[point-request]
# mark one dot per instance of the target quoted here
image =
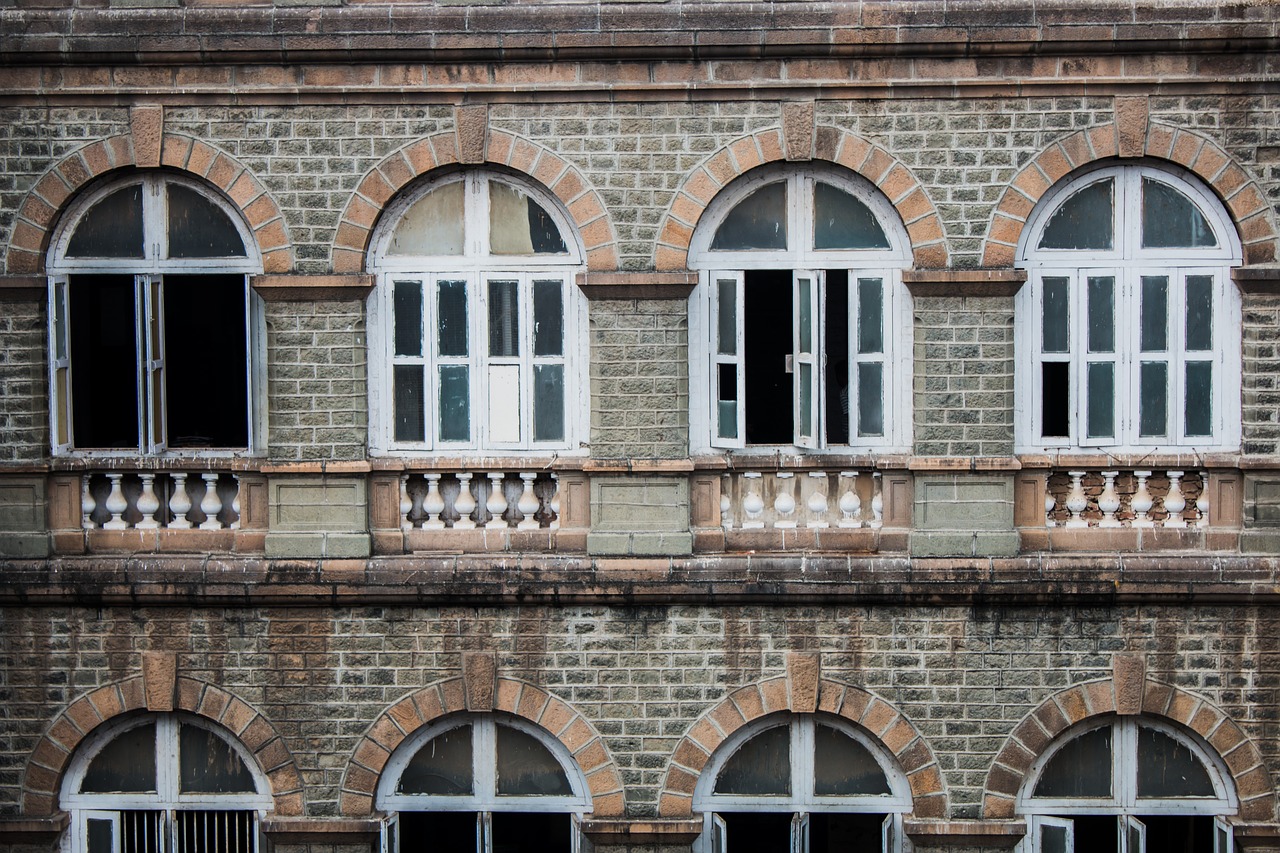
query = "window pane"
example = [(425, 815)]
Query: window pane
[(214, 832), (1053, 839), (432, 225), (455, 402), (870, 315), (548, 402), (1199, 312), (407, 308), (806, 398), (442, 766), (1081, 768), (1168, 768), (504, 323), (410, 407), (1102, 399), (104, 361), (516, 832), (1102, 323), (759, 221), (518, 225), (1199, 410), (727, 316), (841, 765), (1055, 399), (841, 221), (504, 402), (548, 318), (1153, 399), (59, 322), (1171, 220), (871, 399), (198, 228), (141, 832), (112, 228), (125, 765), (527, 768), (1083, 221), (1155, 313), (451, 319), (102, 836), (760, 767), (805, 319), (199, 309), (1056, 320), (727, 404), (207, 765)]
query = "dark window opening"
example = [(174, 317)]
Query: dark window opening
[(836, 342), (767, 832), (205, 359), (1055, 399), (767, 318), (104, 362), (832, 832)]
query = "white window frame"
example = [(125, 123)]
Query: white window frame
[(1128, 262), (148, 272), (803, 261), (476, 266)]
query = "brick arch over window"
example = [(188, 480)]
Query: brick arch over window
[(1201, 155), (1097, 698), (39, 210), (402, 167), (52, 754), (871, 713), (896, 181), (514, 697)]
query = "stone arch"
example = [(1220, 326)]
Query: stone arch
[(895, 180), (1241, 195), (400, 168), (52, 755), (39, 210), (1076, 704), (880, 718), (518, 698)]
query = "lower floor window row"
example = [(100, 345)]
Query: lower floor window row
[(170, 831)]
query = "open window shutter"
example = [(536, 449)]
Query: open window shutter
[(391, 834), (60, 365), (1133, 835), (153, 322), (719, 835), (806, 369), (1102, 381), (800, 833), (1054, 835), (889, 834), (484, 832), (101, 832), (579, 843), (1223, 838), (727, 370)]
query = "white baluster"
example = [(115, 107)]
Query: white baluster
[(1142, 501), (817, 502), (1202, 502), (210, 504), (465, 504), (116, 504), (497, 502), (850, 503), (235, 502), (1109, 500), (1050, 504), (784, 500), (406, 504), (752, 502), (726, 501), (148, 503), (1175, 502), (877, 501), (433, 505), (528, 503), (555, 501), (180, 503), (1076, 500), (87, 503)]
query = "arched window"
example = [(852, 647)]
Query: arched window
[(1129, 325), (801, 331), (802, 783), (1127, 786), (476, 319), (152, 321), (483, 782), (164, 783)]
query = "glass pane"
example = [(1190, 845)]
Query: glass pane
[(504, 402), (805, 319), (727, 402), (548, 402), (548, 318), (760, 767), (407, 309), (1055, 399), (1134, 827), (870, 315), (1053, 839), (759, 221), (112, 228), (518, 225), (432, 225), (1081, 768), (102, 836), (1102, 313), (871, 399), (1199, 409), (455, 402), (841, 221), (1102, 399), (125, 765), (1199, 313), (1083, 221), (1155, 313), (442, 766), (60, 322), (1168, 768), (520, 832), (1171, 220), (841, 765), (410, 407), (727, 316), (1153, 398), (208, 765), (504, 323), (198, 228), (527, 768), (1056, 321), (806, 399), (451, 319)]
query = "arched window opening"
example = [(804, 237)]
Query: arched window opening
[(801, 329), (1128, 786), (164, 783), (152, 321), (476, 320), (483, 782), (801, 783)]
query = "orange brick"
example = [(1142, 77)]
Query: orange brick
[(96, 158), (396, 170), (1015, 205), (1246, 203), (577, 735), (994, 807), (1209, 162), (721, 167), (727, 716), (898, 183), (586, 208), (52, 189), (689, 755), (674, 233), (120, 150), (37, 211), (354, 805), (771, 146), (681, 781), (1031, 182), (591, 756), (746, 155), (597, 233), (569, 186), (1101, 698), (1006, 230), (532, 702), (453, 695), (604, 780), (271, 235), (405, 715), (877, 164), (878, 717), (609, 805), (223, 172), (926, 781), (934, 256), (668, 258), (1076, 149), (1159, 141), (278, 261), (1054, 163), (853, 152), (925, 230), (774, 694), (749, 702), (548, 169), (1185, 148), (360, 780)]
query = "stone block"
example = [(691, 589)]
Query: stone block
[(320, 515), (23, 531), (639, 516)]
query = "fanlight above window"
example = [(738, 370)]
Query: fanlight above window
[(1086, 219), (194, 227), (759, 221), (522, 767), (437, 223), (206, 764)]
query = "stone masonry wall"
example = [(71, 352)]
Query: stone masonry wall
[(24, 381), (1260, 377)]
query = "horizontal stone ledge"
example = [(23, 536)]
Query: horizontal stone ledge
[(748, 461), (642, 831), (945, 464), (964, 833), (312, 288), (637, 285), (1156, 461), (324, 467), (94, 463), (426, 464), (1261, 280), (23, 288), (332, 830), (32, 829), (638, 466), (957, 283)]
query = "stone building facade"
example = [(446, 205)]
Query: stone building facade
[(780, 425)]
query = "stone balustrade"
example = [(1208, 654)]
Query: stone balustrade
[(1139, 498), (789, 500), (471, 500), (168, 500)]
